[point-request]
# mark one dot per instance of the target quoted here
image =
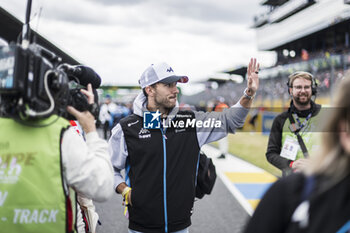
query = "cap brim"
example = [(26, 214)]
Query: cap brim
[(172, 79)]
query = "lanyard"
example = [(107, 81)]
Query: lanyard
[(302, 125), (296, 130)]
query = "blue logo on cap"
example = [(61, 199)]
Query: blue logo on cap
[(170, 70), (151, 120)]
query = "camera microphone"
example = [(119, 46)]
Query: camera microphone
[(84, 74)]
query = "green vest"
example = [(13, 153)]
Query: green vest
[(33, 195), (310, 135)]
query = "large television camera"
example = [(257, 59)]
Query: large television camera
[(34, 83)]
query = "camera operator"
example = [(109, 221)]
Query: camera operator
[(42, 169)]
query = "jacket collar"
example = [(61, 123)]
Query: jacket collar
[(314, 109)]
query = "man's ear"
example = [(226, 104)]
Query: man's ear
[(149, 90)]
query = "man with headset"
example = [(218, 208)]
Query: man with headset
[(293, 135)]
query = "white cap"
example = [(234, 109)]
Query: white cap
[(160, 72)]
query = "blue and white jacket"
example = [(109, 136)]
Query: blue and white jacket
[(161, 164)]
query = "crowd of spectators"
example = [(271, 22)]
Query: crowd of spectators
[(271, 89)]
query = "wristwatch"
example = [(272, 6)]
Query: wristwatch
[(250, 97)]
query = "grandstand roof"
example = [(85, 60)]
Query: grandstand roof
[(10, 30), (273, 2), (238, 71), (220, 81), (314, 18)]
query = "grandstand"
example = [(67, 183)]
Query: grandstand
[(308, 35)]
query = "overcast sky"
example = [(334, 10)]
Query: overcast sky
[(120, 38)]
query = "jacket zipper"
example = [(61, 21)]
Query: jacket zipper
[(164, 180)]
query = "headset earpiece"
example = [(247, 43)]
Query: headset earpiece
[(288, 86), (314, 86)]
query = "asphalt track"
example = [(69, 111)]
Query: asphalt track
[(226, 210), (237, 191), (219, 212)]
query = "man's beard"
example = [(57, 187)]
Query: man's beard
[(165, 103), (303, 103)]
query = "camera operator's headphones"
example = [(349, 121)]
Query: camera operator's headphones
[(302, 74)]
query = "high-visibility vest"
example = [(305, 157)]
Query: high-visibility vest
[(311, 135), (33, 194)]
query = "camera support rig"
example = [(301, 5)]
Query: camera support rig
[(35, 84)]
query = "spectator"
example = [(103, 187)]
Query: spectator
[(107, 112), (223, 142)]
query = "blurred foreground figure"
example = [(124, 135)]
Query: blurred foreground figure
[(316, 200), (44, 164)]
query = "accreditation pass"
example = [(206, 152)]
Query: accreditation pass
[(290, 148)]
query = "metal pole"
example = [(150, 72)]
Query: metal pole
[(26, 28)]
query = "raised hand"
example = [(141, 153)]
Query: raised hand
[(253, 78)]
